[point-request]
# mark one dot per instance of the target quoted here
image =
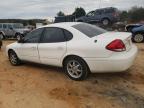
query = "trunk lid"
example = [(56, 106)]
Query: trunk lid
[(111, 36)]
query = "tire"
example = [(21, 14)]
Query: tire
[(13, 58), (105, 21), (76, 68), (138, 38)]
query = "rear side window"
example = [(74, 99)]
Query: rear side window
[(52, 34), (111, 10), (89, 30), (68, 35)]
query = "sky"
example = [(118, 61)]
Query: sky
[(29, 9)]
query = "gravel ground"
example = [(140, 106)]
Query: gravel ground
[(37, 86)]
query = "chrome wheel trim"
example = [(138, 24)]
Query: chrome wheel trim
[(74, 69), (138, 38), (13, 58), (105, 22)]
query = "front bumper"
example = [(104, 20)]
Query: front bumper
[(116, 63)]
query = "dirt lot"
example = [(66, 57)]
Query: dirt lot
[(38, 86)]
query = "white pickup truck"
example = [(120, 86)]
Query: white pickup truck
[(12, 30)]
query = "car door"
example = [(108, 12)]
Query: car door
[(98, 15), (52, 46), (28, 50)]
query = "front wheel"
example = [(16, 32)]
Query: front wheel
[(76, 68), (14, 60), (138, 38)]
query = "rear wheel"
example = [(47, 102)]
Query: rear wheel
[(138, 38), (76, 68), (13, 58), (105, 21)]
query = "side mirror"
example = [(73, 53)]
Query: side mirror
[(20, 39)]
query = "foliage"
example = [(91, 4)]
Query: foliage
[(135, 14), (60, 13), (79, 11)]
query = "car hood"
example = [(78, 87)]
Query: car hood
[(108, 37), (114, 35)]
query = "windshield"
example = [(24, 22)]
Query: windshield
[(89, 30)]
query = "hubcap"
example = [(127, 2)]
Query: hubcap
[(105, 22), (139, 38), (13, 58), (74, 68)]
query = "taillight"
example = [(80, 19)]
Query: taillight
[(116, 45), (115, 14)]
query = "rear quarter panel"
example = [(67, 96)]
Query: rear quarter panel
[(85, 47)]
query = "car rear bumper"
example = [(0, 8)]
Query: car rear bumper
[(115, 63)]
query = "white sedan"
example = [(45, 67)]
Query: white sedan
[(79, 48)]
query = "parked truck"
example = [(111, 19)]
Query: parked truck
[(12, 30)]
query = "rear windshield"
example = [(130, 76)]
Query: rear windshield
[(89, 30)]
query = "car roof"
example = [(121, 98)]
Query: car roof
[(63, 24)]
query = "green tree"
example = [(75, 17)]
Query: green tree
[(60, 13), (124, 16), (136, 14), (79, 11)]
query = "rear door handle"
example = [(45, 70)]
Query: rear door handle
[(33, 48), (60, 48)]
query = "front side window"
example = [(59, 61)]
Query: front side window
[(91, 13), (34, 36), (52, 34), (89, 30)]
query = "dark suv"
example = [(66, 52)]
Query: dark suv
[(103, 15)]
